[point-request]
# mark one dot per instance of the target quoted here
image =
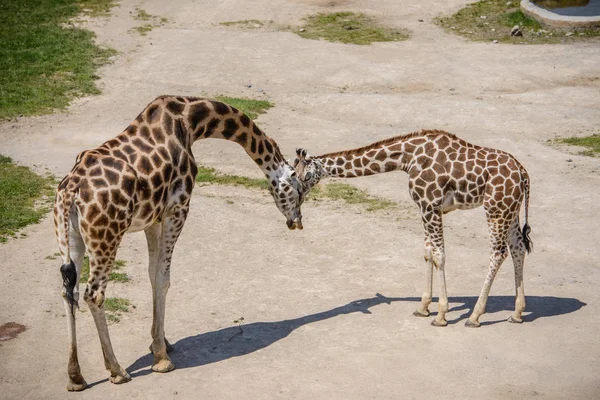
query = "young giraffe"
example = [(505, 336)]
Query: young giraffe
[(143, 180), (445, 173)]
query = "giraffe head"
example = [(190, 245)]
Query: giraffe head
[(309, 170), (288, 193)]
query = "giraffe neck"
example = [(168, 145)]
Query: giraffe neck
[(384, 156), (215, 120), (190, 119)]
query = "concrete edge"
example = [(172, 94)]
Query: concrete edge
[(557, 21)]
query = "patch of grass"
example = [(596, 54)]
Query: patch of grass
[(591, 142), (154, 21), (114, 306), (142, 15), (489, 20), (52, 256), (210, 175), (115, 274), (143, 29), (251, 107), (24, 197), (348, 27), (351, 195), (45, 61), (96, 8), (246, 23)]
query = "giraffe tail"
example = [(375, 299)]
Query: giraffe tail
[(526, 228), (68, 270)]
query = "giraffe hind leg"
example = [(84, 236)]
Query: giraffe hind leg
[(100, 267), (518, 244), (70, 273), (499, 227)]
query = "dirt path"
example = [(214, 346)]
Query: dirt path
[(314, 326)]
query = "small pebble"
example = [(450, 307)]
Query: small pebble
[(569, 160), (301, 30), (569, 34), (494, 41), (420, 20), (493, 29), (483, 17)]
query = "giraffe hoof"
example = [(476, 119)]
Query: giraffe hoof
[(121, 377), (514, 320), (435, 322), (420, 313), (76, 387), (163, 366), (471, 324)]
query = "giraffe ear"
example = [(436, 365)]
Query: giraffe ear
[(302, 154)]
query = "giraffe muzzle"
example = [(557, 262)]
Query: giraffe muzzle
[(295, 224)]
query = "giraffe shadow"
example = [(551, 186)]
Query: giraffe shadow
[(537, 307), (211, 347)]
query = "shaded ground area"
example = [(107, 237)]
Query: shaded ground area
[(327, 310)]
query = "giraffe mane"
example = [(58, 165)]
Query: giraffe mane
[(389, 141)]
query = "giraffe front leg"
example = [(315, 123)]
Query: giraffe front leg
[(434, 251), (153, 234), (170, 230), (423, 310), (439, 260)]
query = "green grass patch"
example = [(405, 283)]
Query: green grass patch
[(25, 197), (246, 23), (143, 29), (331, 191), (114, 307), (115, 275), (45, 61), (251, 107), (142, 15), (96, 8), (153, 21), (350, 195), (116, 304), (591, 142), (210, 175), (489, 20), (348, 27)]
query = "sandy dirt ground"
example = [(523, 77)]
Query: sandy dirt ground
[(328, 310)]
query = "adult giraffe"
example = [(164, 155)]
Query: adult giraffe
[(445, 173), (143, 180)]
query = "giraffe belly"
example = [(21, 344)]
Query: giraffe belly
[(451, 203)]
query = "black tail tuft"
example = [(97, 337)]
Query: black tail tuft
[(69, 275), (526, 240)]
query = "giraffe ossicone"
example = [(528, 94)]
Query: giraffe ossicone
[(445, 173), (142, 180)]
